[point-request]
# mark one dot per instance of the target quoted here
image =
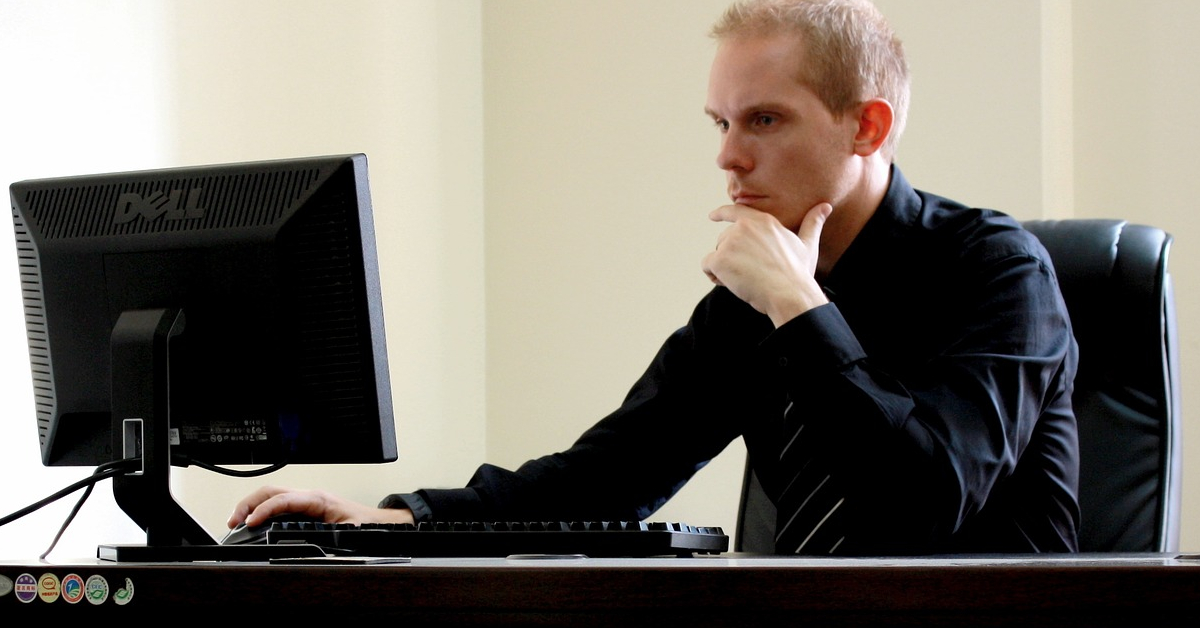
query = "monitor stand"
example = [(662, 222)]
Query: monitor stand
[(141, 429)]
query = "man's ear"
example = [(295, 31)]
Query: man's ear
[(875, 119)]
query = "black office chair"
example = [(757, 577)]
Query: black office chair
[(1115, 280), (1117, 288)]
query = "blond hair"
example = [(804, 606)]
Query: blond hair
[(852, 53)]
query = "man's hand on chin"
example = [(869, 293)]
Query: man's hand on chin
[(765, 264)]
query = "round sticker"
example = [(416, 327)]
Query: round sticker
[(48, 588), (26, 588), (72, 589), (96, 590)]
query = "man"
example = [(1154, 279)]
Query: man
[(898, 365)]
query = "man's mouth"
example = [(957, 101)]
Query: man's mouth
[(746, 198)]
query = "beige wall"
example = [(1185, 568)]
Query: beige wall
[(599, 177), (542, 170), (1136, 72)]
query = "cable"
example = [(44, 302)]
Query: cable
[(112, 469), (101, 473), (67, 522), (252, 473)]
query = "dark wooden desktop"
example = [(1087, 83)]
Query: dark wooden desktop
[(1109, 590)]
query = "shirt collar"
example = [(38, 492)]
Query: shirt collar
[(900, 209)]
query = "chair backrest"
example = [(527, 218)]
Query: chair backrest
[(1117, 288)]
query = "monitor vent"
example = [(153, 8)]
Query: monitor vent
[(35, 327), (321, 250), (161, 205)]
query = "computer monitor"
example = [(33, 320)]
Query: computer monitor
[(221, 314)]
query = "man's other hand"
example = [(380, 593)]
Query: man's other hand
[(271, 501)]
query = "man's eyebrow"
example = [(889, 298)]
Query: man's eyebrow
[(778, 107)]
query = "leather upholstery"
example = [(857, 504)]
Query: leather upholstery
[(1117, 288), (1115, 281)]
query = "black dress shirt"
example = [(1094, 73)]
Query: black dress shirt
[(938, 381)]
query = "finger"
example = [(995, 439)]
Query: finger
[(302, 502), (706, 265), (250, 502), (728, 213), (721, 237), (276, 505), (813, 222)]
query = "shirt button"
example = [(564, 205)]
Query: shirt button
[(783, 362)]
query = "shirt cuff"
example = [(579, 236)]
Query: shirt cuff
[(412, 501), (819, 340)]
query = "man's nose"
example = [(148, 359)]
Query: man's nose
[(734, 153)]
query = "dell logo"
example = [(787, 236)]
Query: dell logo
[(130, 205)]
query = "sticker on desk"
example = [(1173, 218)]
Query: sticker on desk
[(26, 588), (72, 588), (96, 590), (124, 596), (48, 588)]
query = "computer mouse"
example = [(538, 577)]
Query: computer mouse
[(243, 534)]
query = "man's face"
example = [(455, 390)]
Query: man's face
[(782, 150)]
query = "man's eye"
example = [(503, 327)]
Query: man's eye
[(764, 120), (721, 125)]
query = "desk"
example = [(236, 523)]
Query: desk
[(729, 590)]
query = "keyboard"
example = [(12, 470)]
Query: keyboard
[(479, 539)]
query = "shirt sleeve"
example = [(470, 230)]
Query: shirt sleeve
[(926, 450), (671, 423)]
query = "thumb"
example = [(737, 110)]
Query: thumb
[(813, 222)]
